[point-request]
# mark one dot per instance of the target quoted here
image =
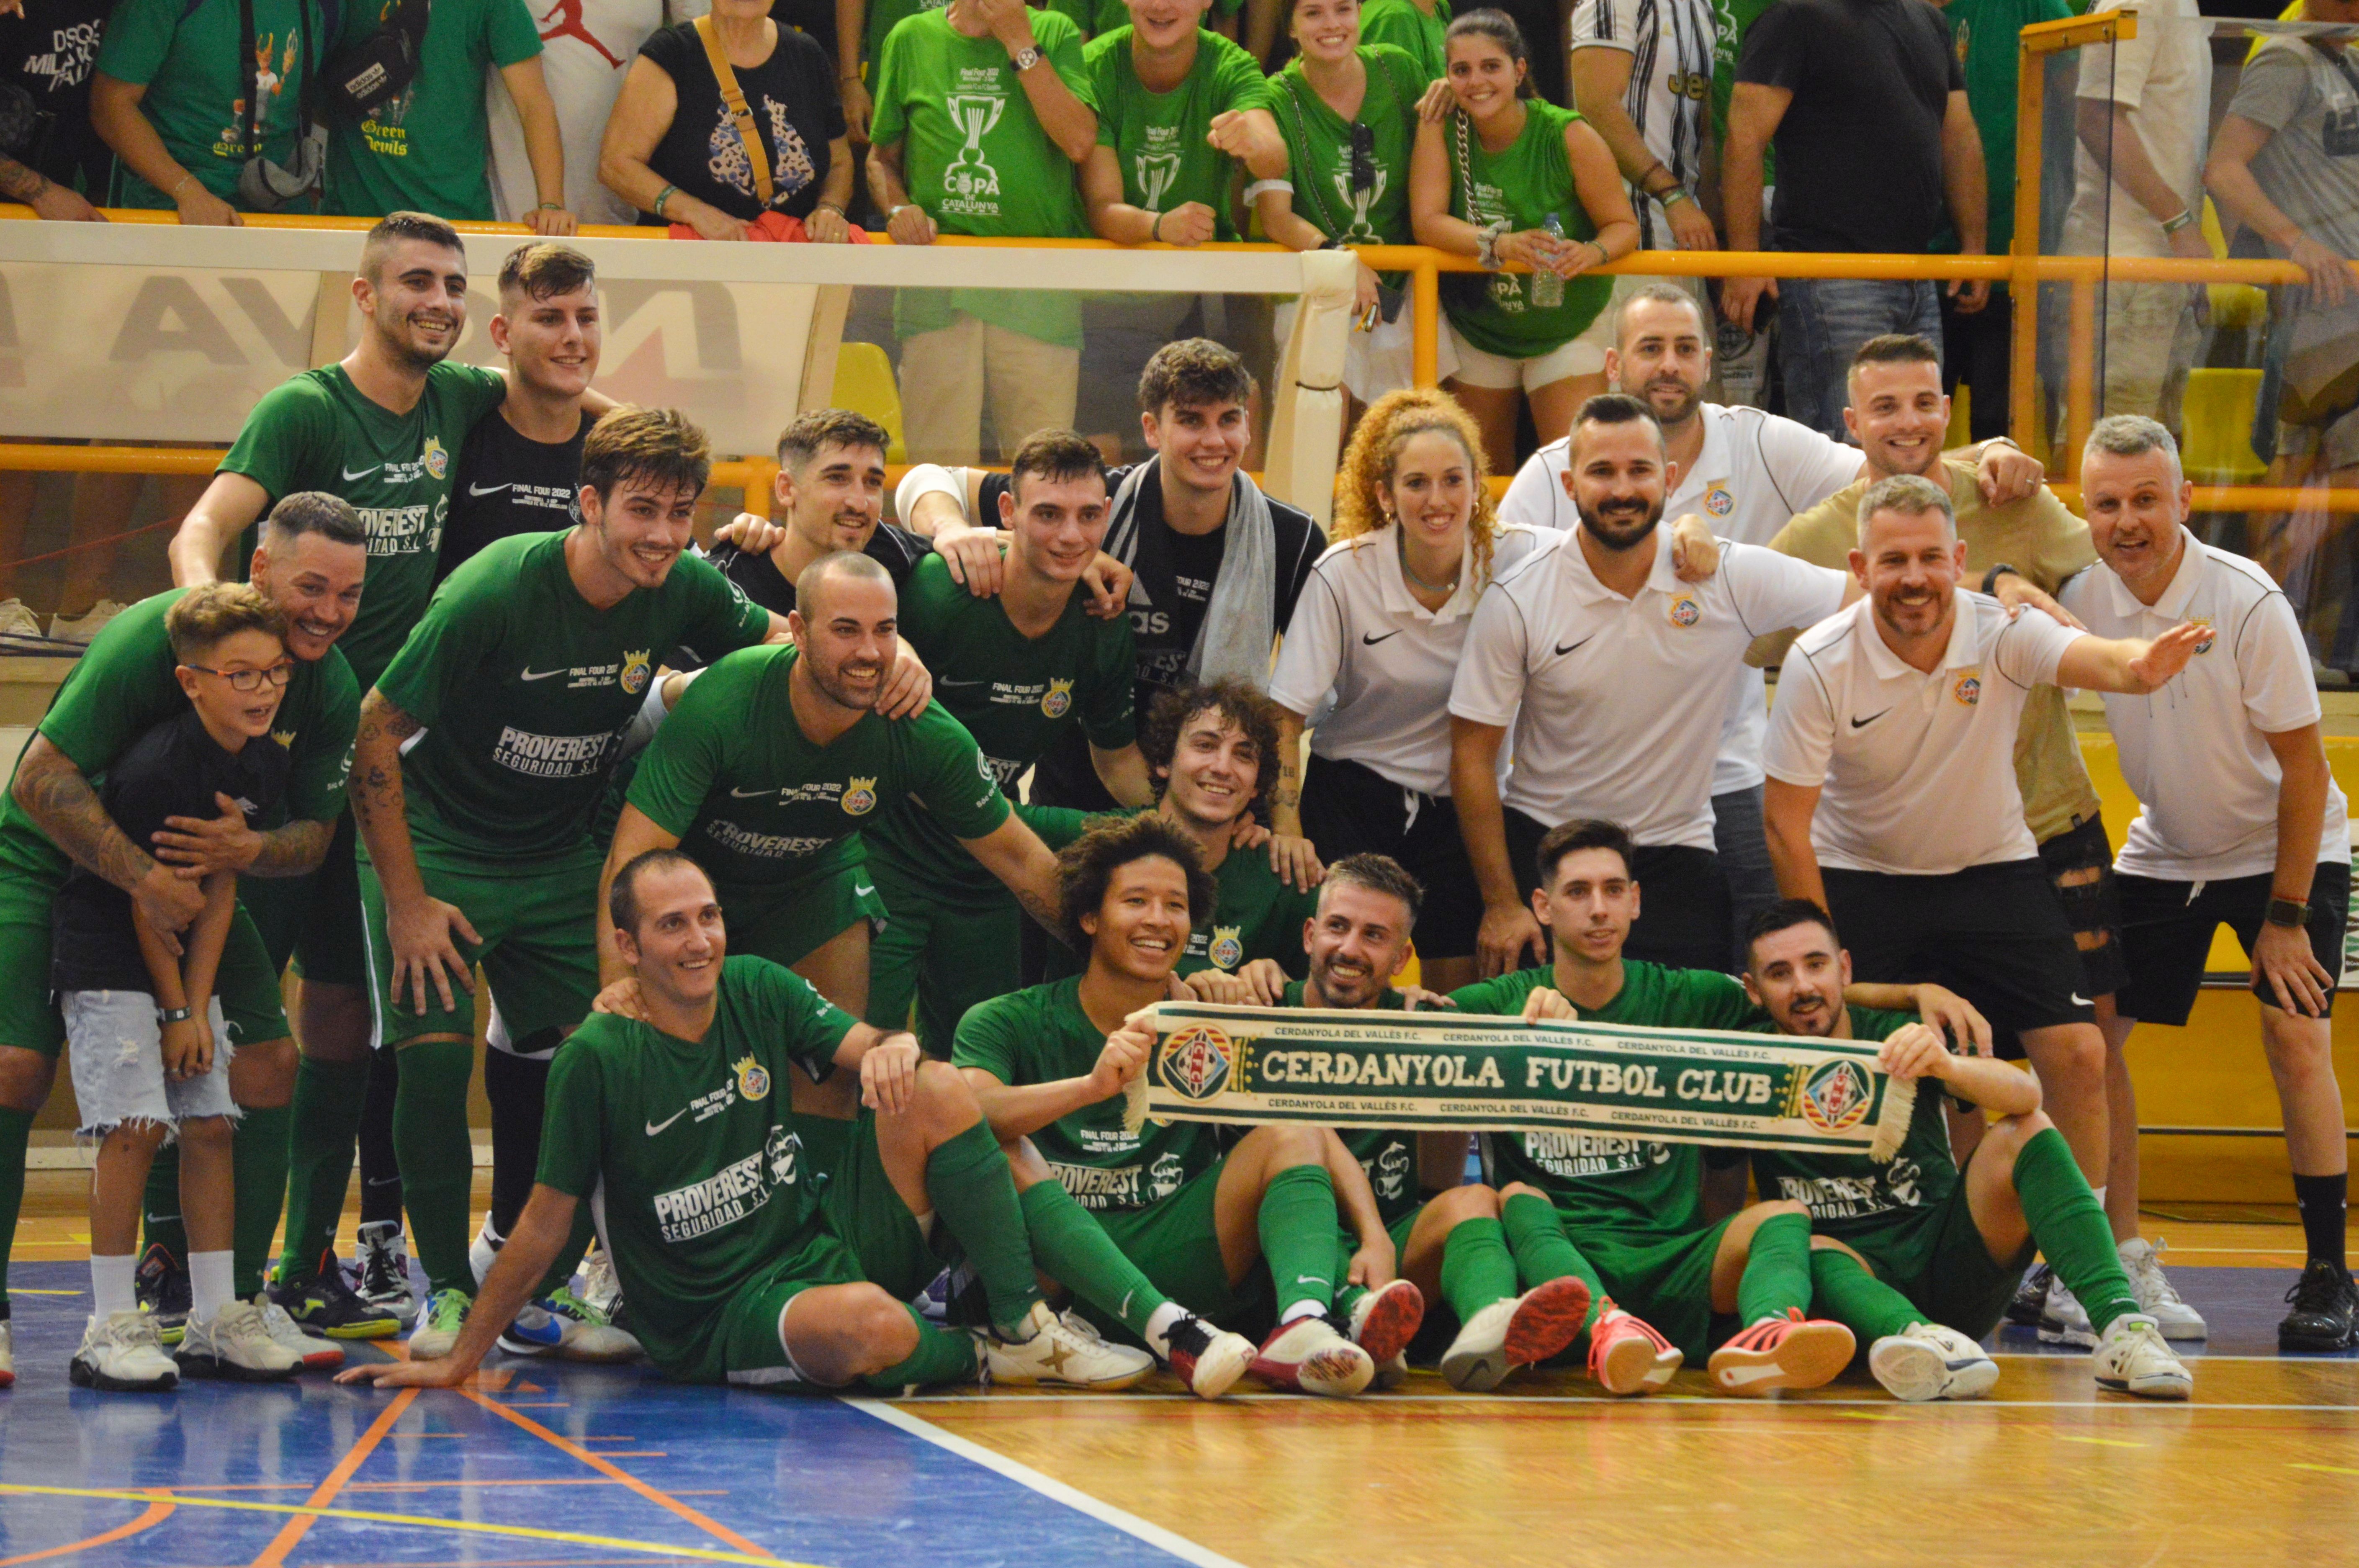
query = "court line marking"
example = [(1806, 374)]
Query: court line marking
[(1662, 1402), (293, 1532), (1023, 1475), (418, 1521), (2330, 1469), (159, 1510)]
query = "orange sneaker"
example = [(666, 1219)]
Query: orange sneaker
[(1791, 1352), (1628, 1357)]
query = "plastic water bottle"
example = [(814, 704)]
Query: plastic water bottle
[(1547, 288)]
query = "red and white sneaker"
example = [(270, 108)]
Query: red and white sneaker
[(1628, 1357), (1518, 1330), (1209, 1360), (1791, 1352), (1385, 1319), (1307, 1355)]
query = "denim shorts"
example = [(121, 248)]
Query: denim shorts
[(116, 1050)]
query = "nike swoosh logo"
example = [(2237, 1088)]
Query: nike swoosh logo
[(1371, 639), (860, 892), (350, 474), (480, 489), (1863, 723), (654, 1128), (1564, 648), (2080, 1001), (540, 674), (946, 681), (736, 794)]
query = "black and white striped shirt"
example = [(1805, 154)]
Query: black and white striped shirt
[(1670, 46)]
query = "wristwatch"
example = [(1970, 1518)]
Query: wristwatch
[(1024, 58), (2290, 912), (1989, 578), (173, 1015)]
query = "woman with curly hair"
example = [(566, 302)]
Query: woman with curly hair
[(1368, 659)]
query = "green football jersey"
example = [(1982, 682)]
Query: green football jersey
[(1600, 1182), (1159, 137), (123, 686), (1852, 1195), (524, 690), (1410, 30), (1387, 1154), (426, 147), (318, 431), (1984, 34), (1039, 1035), (1525, 182), (189, 56), (1016, 695), (1318, 149), (691, 1147), (1733, 19), (732, 775)]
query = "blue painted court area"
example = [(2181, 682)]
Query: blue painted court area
[(563, 1465)]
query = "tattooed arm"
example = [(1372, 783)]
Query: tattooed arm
[(43, 195), (424, 931), (202, 846), (54, 793)]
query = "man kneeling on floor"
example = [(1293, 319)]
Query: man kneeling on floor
[(735, 1268), (1915, 1256)]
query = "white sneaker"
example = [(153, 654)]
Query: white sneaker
[(2131, 1358), (1521, 1331), (381, 1272), (601, 1286), (1392, 1374), (234, 1344), (20, 629), (1928, 1361), (317, 1352), (483, 1251), (8, 1355), (2156, 1298), (2064, 1320), (1309, 1355), (564, 1325), (122, 1354), (1385, 1319), (1058, 1353), (446, 1314), (81, 629)]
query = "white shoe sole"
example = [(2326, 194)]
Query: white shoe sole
[(84, 1375), (1915, 1372), (2195, 1332), (2155, 1386), (428, 1345), (1230, 1357)]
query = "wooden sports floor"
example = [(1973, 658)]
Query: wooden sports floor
[(551, 1466)]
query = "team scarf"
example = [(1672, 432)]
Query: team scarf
[(1444, 1070)]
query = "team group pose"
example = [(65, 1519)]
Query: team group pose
[(817, 889)]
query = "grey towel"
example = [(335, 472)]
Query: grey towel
[(1239, 628)]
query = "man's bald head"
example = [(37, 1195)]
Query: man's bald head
[(846, 628), (842, 566)]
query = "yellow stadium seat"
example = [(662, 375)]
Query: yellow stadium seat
[(2219, 424), (2233, 304), (864, 383), (1962, 420)]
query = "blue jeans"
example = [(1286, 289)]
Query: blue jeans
[(1822, 321)]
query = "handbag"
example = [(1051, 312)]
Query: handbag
[(263, 186), (740, 113), (381, 65)]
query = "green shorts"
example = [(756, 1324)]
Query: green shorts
[(943, 955), (539, 950), (315, 920), (750, 1346), (1939, 1259), (865, 1210), (1178, 1247), (1666, 1281), (787, 921)]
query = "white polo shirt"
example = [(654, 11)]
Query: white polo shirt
[(1372, 667), (1755, 471), (1617, 703), (1918, 769), (2195, 751)]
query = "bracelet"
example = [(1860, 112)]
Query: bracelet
[(662, 196), (2172, 225), (174, 193), (551, 207), (1486, 244), (173, 1015), (1989, 578), (1673, 197), (2290, 912), (1155, 229), (833, 207), (1261, 188)]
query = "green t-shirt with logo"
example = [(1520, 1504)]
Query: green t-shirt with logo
[(692, 1146), (525, 690), (1256, 914), (426, 149), (1635, 1187), (319, 432), (1158, 138), (1041, 1035), (123, 686), (1984, 34), (1505, 312), (1016, 695), (975, 156), (1410, 30), (188, 58), (1387, 1154), (1732, 20), (1318, 149), (732, 775)]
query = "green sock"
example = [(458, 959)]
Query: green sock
[(159, 1206), (15, 1132), (2070, 1225), (974, 1192), (324, 1130), (1777, 1270), (1073, 1250), (940, 1357), (1841, 1289), (1297, 1236), (436, 1156), (1477, 1270), (258, 1165), (1543, 1251)]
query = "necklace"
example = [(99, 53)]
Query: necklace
[(1400, 543)]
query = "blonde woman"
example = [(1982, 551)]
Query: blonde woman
[(1368, 659)]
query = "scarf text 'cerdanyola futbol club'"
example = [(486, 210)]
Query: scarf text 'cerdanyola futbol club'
[(1443, 1070)]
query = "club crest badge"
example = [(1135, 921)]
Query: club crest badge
[(1967, 689), (859, 797), (753, 1079), (1685, 611), (1835, 1098), (285, 739), (1057, 699), (2210, 634), (1197, 1060), (636, 666), (1717, 499), (436, 457), (1228, 947)]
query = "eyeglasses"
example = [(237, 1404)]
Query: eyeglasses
[(252, 680), (1364, 158)]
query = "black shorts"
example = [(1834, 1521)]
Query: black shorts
[(1349, 807), (1684, 918), (2167, 935), (1995, 934), (2080, 863)]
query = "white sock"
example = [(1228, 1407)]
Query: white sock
[(1159, 1324), (2100, 1194), (1305, 1309), (210, 1288), (110, 1285)]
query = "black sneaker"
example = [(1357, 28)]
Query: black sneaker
[(326, 1304), (161, 1286), (2030, 1298), (2325, 1313)]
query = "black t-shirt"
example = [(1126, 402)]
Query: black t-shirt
[(1176, 571), (508, 484), (897, 550), (49, 54), (173, 771), (1859, 150), (793, 94)]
